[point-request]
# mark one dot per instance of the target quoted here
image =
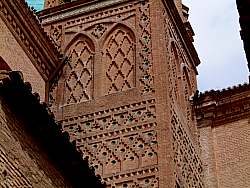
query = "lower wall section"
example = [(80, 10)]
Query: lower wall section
[(225, 154), (22, 163)]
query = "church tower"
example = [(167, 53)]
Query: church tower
[(124, 89)]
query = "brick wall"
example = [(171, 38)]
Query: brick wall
[(22, 163), (224, 126), (232, 151), (225, 152), (128, 77), (14, 55)]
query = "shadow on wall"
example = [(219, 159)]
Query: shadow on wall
[(4, 65)]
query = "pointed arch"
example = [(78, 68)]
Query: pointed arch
[(118, 60), (79, 70)]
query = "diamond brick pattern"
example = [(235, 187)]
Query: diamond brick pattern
[(79, 82), (120, 62)]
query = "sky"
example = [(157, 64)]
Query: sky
[(37, 4), (217, 40)]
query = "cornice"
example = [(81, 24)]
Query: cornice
[(218, 95), (25, 26), (221, 107), (80, 7)]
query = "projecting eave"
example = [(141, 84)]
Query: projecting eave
[(220, 106), (25, 26), (40, 124)]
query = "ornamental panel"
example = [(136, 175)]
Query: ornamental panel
[(119, 61), (79, 72)]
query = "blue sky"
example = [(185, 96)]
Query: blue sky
[(217, 41), (37, 4)]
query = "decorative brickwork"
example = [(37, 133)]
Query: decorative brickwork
[(117, 129), (56, 35), (119, 61), (21, 158), (10, 175), (99, 30), (52, 3), (146, 66), (79, 71), (117, 140), (43, 54), (223, 121), (188, 165)]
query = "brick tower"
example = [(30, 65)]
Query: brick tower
[(123, 90)]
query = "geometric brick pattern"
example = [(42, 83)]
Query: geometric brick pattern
[(79, 73), (52, 3), (120, 61), (188, 167), (56, 35), (188, 164), (122, 142), (145, 44), (118, 141)]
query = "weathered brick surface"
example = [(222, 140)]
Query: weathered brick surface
[(15, 56), (232, 151), (208, 157), (225, 154), (22, 163)]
